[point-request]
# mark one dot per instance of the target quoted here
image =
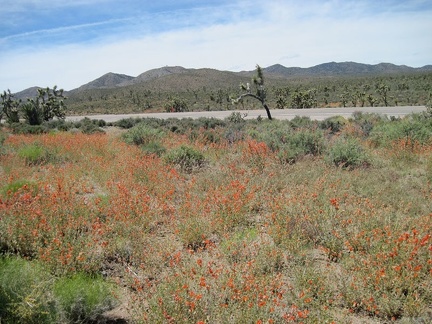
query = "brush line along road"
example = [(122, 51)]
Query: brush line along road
[(313, 113)]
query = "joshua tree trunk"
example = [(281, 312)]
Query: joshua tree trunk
[(264, 104), (258, 83)]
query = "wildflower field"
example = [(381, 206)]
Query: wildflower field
[(206, 221)]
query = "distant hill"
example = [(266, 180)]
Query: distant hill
[(342, 69), (177, 78), (113, 80), (27, 93), (193, 79), (158, 73), (109, 80)]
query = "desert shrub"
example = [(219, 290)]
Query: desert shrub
[(127, 122), (83, 299), (290, 143), (417, 130), (288, 155), (427, 114), (429, 170), (25, 292), (300, 143), (235, 117), (3, 136), (210, 136), (210, 123), (23, 128), (347, 153), (274, 134), (17, 185), (2, 140), (185, 157), (333, 124), (157, 122), (101, 122), (142, 134), (153, 148), (184, 125), (308, 141), (234, 133), (89, 126), (35, 154), (59, 124), (367, 121), (302, 122)]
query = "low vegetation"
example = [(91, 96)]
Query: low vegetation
[(225, 221)]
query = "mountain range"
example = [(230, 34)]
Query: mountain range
[(164, 77)]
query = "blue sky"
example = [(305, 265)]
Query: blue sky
[(71, 42)]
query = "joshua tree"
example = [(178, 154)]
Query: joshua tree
[(176, 105), (9, 107), (383, 89), (48, 104), (260, 92)]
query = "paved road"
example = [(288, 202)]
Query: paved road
[(313, 113)]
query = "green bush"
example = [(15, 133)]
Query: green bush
[(235, 117), (367, 121), (34, 154), (127, 122), (83, 299), (419, 130), (17, 185), (333, 124), (302, 122), (300, 143), (22, 128), (3, 137), (347, 153), (142, 134), (25, 292), (89, 126), (308, 141), (234, 133), (2, 140), (290, 142), (154, 148), (186, 158), (30, 294), (274, 134), (60, 124), (210, 123)]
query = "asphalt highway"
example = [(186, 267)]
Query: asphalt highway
[(313, 113)]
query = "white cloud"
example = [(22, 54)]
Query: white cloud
[(286, 32)]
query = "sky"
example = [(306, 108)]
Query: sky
[(71, 42)]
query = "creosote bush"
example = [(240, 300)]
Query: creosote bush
[(30, 293), (185, 157), (410, 129), (142, 134), (83, 298), (25, 292), (35, 154), (347, 153)]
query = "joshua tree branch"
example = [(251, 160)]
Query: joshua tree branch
[(259, 99)]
